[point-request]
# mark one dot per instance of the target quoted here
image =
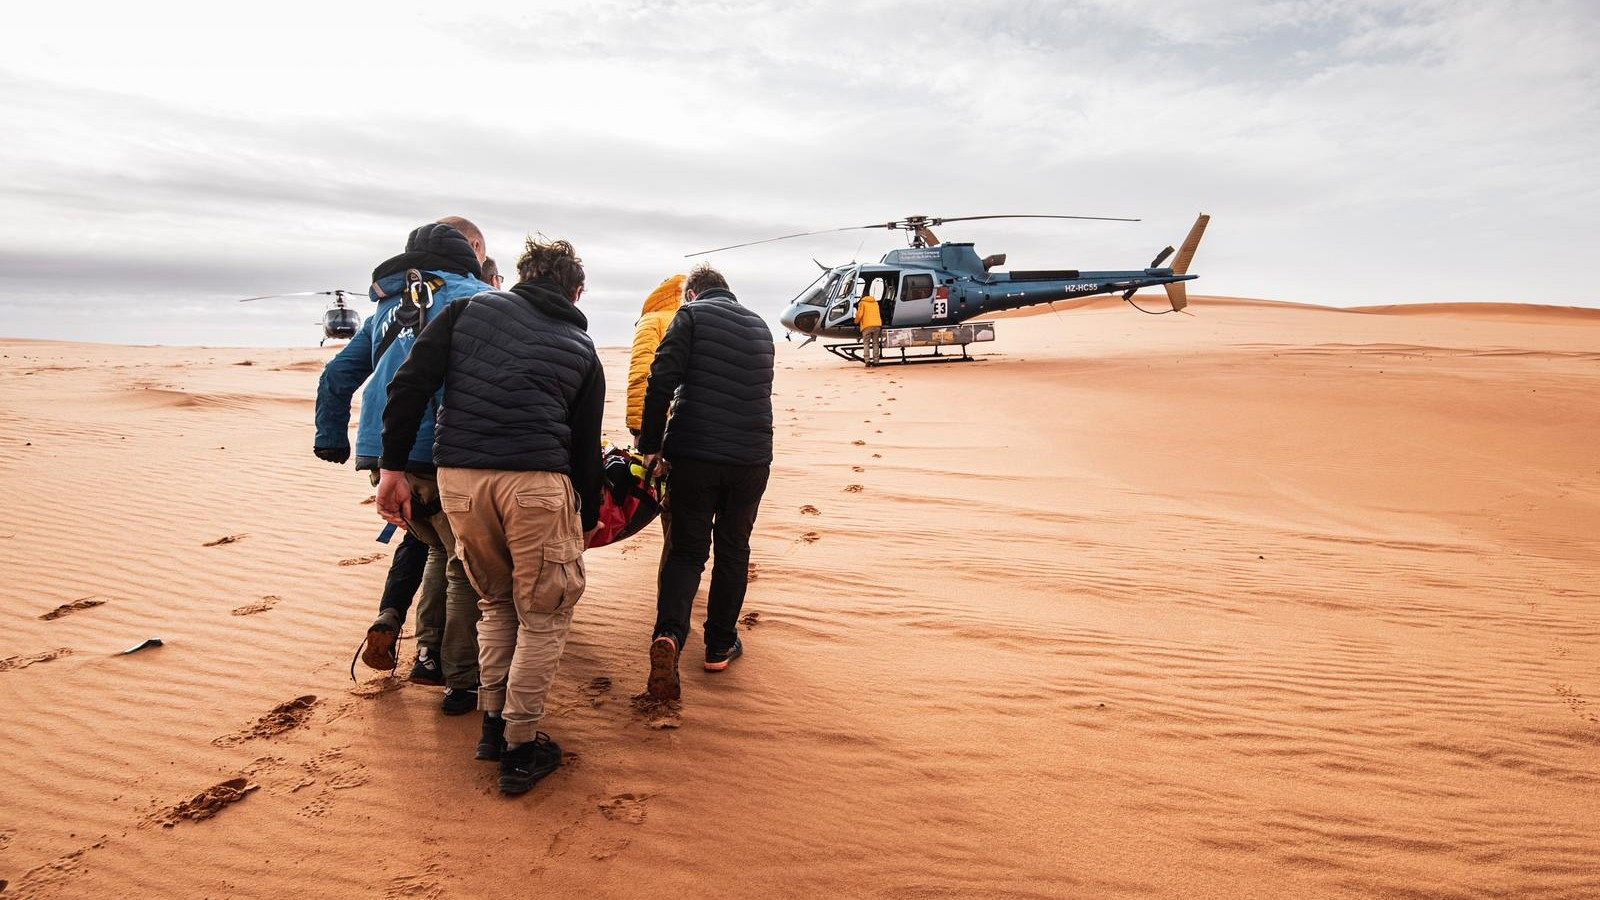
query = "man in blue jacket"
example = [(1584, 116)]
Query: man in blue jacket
[(442, 264)]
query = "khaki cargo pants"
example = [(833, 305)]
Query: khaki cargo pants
[(872, 342), (519, 536)]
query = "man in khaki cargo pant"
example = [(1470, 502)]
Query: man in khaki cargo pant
[(518, 456), (521, 543)]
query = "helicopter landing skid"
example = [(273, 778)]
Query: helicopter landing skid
[(853, 353)]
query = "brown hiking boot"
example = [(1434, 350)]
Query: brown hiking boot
[(663, 684), (378, 652)]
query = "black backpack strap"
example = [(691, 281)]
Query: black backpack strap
[(395, 327)]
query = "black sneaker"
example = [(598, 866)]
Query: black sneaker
[(523, 765), (716, 661), (378, 651), (427, 669), (663, 683), (493, 742), (459, 701)]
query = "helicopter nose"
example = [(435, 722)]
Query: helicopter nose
[(799, 318)]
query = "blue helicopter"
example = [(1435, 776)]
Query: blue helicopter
[(339, 322), (927, 294)]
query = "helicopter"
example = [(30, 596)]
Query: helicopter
[(928, 292), (339, 322)]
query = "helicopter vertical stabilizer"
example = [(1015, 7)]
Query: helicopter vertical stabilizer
[(1177, 293)]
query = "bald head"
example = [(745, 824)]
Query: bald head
[(470, 231)]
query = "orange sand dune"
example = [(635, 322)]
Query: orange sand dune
[(1267, 601)]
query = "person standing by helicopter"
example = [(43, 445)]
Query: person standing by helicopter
[(519, 478), (447, 257), (871, 324), (714, 370)]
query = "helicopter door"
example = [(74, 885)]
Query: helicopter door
[(916, 305), (842, 300)]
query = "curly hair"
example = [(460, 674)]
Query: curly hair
[(553, 260), (704, 278)]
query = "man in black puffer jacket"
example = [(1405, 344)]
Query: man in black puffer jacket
[(714, 369), (518, 451)]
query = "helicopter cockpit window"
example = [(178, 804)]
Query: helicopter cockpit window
[(816, 294), (918, 287)]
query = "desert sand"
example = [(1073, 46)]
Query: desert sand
[(1267, 601)]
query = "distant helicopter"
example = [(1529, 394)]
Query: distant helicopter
[(339, 323), (927, 292)]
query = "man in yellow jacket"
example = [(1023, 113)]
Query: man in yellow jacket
[(659, 308), (871, 325)]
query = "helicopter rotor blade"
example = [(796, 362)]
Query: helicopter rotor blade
[(914, 224), (300, 294), (937, 221), (788, 236)]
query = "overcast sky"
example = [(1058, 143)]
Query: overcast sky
[(161, 159)]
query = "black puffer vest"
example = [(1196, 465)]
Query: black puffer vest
[(723, 410), (517, 362)]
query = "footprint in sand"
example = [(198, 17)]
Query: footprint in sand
[(226, 539), (46, 879), (811, 537), (205, 804), (1576, 702), (809, 510), (627, 808), (370, 500), (426, 884), (335, 771), (377, 687), (597, 689), (319, 806), (74, 606), (658, 715), (750, 619), (877, 456), (260, 606), (858, 468), (859, 443), (281, 718), (22, 662), (854, 489), (361, 560)]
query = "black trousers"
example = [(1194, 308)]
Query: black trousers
[(707, 503), (405, 576)]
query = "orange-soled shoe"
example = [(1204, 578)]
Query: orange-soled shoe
[(717, 661)]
